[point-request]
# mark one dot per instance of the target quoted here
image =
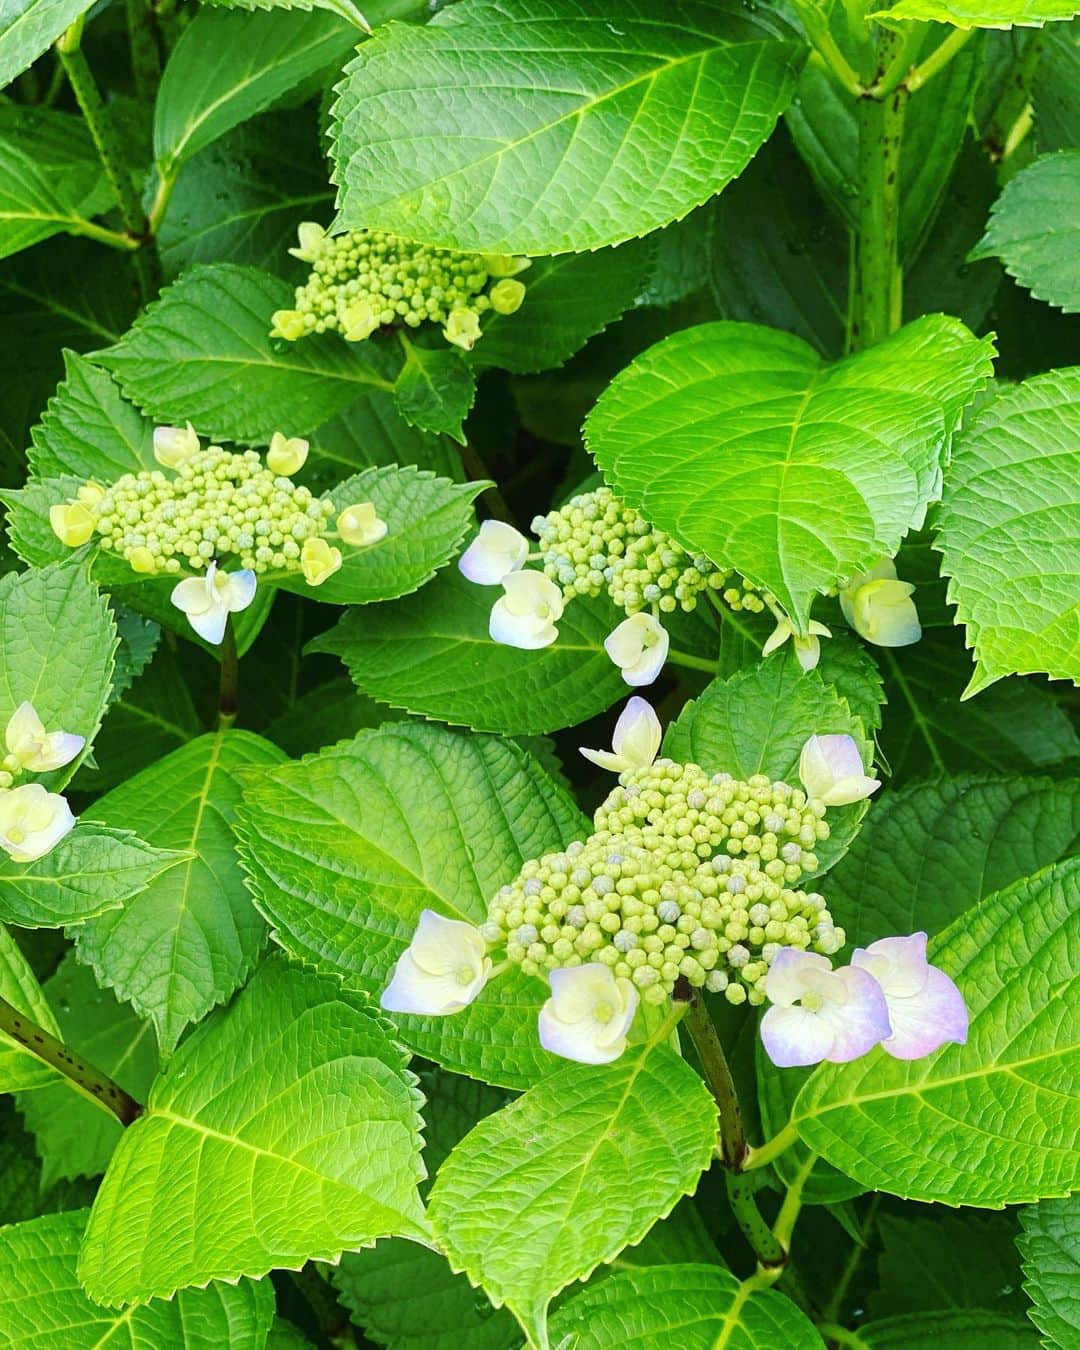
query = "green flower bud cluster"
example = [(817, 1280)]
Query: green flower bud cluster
[(596, 542), (365, 279), (686, 876), (217, 502)]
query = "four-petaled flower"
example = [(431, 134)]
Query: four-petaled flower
[(807, 649), (33, 748), (588, 1014), (361, 526), (880, 608), (926, 1009), (831, 769), (639, 647), (820, 1013), (442, 970), (497, 550), (527, 614), (635, 741), (32, 821), (209, 600)]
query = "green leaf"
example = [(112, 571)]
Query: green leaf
[(431, 654), (841, 460), (345, 8), (1016, 726), (931, 850), (293, 1094), (91, 870), (139, 638), (60, 145), (428, 517), (192, 937), (435, 389), (561, 1180), (202, 353), (57, 639), (987, 1123), (330, 712), (228, 67), (42, 1303), (22, 1194), (568, 299), (1050, 1247), (75, 1137), (965, 1260), (1005, 531), (758, 722), (1034, 229), (959, 1329), (1057, 110), (697, 1307), (981, 13), (34, 204), (372, 431), (344, 850), (580, 128), (19, 1069), (30, 27)]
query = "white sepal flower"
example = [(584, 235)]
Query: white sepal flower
[(208, 601), (174, 445), (360, 525), (926, 1009), (527, 614), (72, 523), (31, 747), (588, 1014), (463, 328), (635, 741), (880, 608), (639, 647), (287, 454), (496, 551), (807, 649), (820, 1013), (310, 237), (442, 970), (32, 821), (831, 769), (319, 560)]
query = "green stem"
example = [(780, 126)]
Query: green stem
[(714, 1065), (729, 617), (110, 152), (691, 662), (792, 1203), (90, 1081), (878, 279), (765, 1246), (145, 58), (1013, 106), (111, 238), (162, 197), (842, 1336), (821, 39), (229, 680), (939, 58), (772, 1148)]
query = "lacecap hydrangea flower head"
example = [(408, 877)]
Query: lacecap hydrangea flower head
[(208, 508), (688, 878)]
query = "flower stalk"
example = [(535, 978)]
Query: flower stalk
[(229, 680), (699, 1024)]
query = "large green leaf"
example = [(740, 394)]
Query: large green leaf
[(958, 1328), (89, 430), (1006, 531), (74, 1136), (33, 203), (91, 870), (561, 1180), (948, 1260), (203, 354), (435, 389), (191, 938), (820, 469), (1034, 229), (1050, 1247), (61, 147), (346, 848), (555, 127), (19, 1069), (1057, 109), (697, 1307), (372, 431), (981, 13), (42, 1304), (228, 67), (990, 1122), (431, 653), (931, 850), (285, 1130), (30, 27)]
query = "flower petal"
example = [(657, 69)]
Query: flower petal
[(606, 759), (785, 982), (192, 596), (210, 624), (525, 631), (414, 990), (795, 1036), (862, 1021), (898, 964), (925, 1021), (496, 551), (240, 590), (23, 725)]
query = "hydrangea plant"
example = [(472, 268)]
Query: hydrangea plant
[(538, 631)]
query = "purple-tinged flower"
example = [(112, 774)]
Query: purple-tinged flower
[(925, 1007), (820, 1013)]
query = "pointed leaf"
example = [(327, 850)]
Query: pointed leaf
[(89, 430), (981, 13), (1050, 1247), (435, 389), (30, 27), (19, 1069)]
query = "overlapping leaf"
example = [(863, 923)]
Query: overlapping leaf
[(981, 13), (19, 1069), (820, 469), (345, 849), (1050, 1247), (555, 127), (30, 27)]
